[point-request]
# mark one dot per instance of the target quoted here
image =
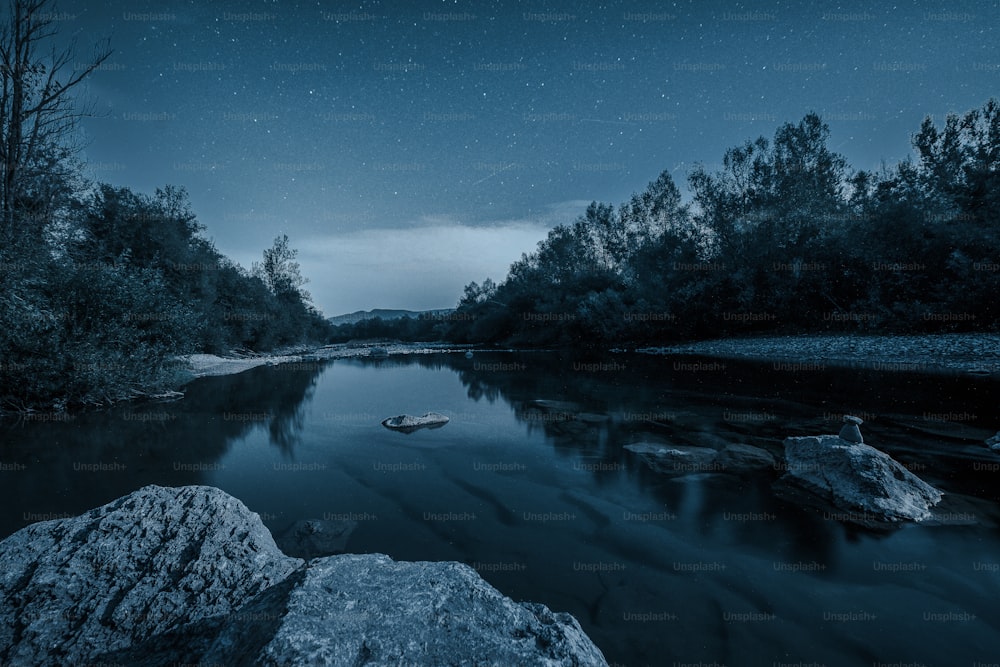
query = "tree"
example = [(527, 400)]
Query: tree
[(280, 271), (475, 294), (37, 118), (961, 162), (158, 231), (609, 233)]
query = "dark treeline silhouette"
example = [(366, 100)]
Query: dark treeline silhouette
[(100, 287), (783, 238), (422, 328)]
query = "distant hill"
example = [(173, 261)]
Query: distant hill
[(385, 314)]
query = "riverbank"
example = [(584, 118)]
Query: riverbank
[(963, 353), (975, 354), (204, 365)]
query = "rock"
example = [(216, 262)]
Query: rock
[(556, 406), (738, 458), (189, 575), (409, 423), (398, 613), (133, 569), (378, 353), (676, 459), (850, 431), (566, 427), (994, 442), (858, 478), (312, 538)]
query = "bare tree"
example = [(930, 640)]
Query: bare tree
[(37, 113)]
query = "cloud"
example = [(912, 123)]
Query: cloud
[(419, 267)]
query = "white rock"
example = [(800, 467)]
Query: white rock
[(411, 423), (858, 478)]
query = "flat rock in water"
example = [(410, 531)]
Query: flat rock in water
[(859, 479), (737, 458), (312, 538), (398, 613), (408, 423), (676, 459)]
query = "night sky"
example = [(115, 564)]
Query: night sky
[(408, 148)]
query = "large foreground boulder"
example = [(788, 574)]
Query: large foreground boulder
[(135, 568), (869, 485), (370, 610), (168, 576)]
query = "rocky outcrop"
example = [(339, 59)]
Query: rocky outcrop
[(167, 576), (868, 485), (138, 567), (409, 423), (370, 610)]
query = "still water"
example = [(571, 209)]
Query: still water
[(548, 507)]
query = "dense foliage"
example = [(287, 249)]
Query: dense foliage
[(784, 237), (101, 287), (123, 283)]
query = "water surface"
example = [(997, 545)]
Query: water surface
[(548, 507)]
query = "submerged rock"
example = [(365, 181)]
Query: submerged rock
[(312, 538), (556, 406), (737, 458), (591, 417), (408, 423), (676, 459), (168, 576), (398, 613), (857, 478)]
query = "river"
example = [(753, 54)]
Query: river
[(545, 503)]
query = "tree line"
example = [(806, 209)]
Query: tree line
[(784, 237), (101, 287)]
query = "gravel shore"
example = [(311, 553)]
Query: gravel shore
[(975, 354), (203, 365)]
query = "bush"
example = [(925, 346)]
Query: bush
[(90, 334)]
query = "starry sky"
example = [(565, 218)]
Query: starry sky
[(407, 148)]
